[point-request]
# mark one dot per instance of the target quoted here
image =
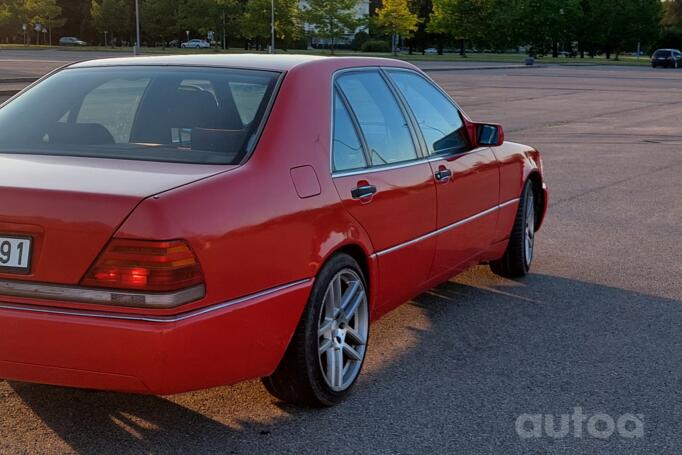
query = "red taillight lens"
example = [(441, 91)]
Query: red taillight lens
[(145, 265)]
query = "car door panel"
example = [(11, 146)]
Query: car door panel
[(393, 197), (400, 212), (467, 180), (467, 208)]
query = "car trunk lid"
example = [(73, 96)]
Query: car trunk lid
[(70, 207)]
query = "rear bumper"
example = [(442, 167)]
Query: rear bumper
[(214, 346)]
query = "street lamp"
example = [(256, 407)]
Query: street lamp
[(272, 27), (105, 38), (136, 50)]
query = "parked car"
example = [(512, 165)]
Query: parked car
[(667, 58), (431, 51), (195, 44), (247, 217), (71, 41)]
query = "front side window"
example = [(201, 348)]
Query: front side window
[(382, 122), (176, 114), (438, 118), (347, 152)]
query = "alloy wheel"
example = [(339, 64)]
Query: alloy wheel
[(529, 237), (343, 329)]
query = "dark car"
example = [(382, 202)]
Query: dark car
[(667, 58)]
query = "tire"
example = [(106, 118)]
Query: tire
[(326, 337), (518, 257)]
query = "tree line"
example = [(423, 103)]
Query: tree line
[(542, 27)]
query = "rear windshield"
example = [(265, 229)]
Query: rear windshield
[(177, 114), (662, 54)]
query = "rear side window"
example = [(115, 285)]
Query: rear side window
[(438, 118), (382, 122), (177, 114), (347, 152)]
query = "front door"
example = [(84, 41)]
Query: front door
[(467, 179), (384, 182)]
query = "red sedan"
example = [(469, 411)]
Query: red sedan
[(176, 223)]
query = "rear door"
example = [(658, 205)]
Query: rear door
[(466, 177), (384, 182)]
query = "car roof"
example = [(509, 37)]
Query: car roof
[(246, 61)]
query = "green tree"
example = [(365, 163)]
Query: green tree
[(463, 19), (255, 21), (672, 13), (395, 15), (624, 23), (421, 36), (159, 19), (113, 16), (330, 19), (545, 24)]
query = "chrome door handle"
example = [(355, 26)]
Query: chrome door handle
[(443, 175), (363, 192)]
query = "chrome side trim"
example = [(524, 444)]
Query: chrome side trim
[(147, 318), (375, 169), (446, 228), (100, 296)]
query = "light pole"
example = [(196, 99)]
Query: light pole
[(136, 50), (105, 38), (272, 28)]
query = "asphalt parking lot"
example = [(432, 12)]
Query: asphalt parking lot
[(597, 326)]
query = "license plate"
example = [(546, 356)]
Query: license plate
[(15, 254)]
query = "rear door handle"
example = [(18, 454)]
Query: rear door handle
[(443, 175), (363, 192)]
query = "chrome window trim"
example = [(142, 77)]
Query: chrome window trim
[(112, 297), (385, 167), (150, 318), (446, 228)]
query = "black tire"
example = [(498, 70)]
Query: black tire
[(516, 261), (299, 379)]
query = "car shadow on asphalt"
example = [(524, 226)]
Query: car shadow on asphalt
[(450, 371)]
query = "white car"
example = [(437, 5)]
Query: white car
[(431, 51), (195, 44)]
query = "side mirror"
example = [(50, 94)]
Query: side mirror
[(489, 134)]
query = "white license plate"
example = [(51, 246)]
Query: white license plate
[(15, 254)]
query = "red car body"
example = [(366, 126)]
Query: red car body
[(260, 232)]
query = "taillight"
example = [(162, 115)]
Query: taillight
[(145, 265)]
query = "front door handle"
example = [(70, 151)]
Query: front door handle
[(443, 175), (363, 192)]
